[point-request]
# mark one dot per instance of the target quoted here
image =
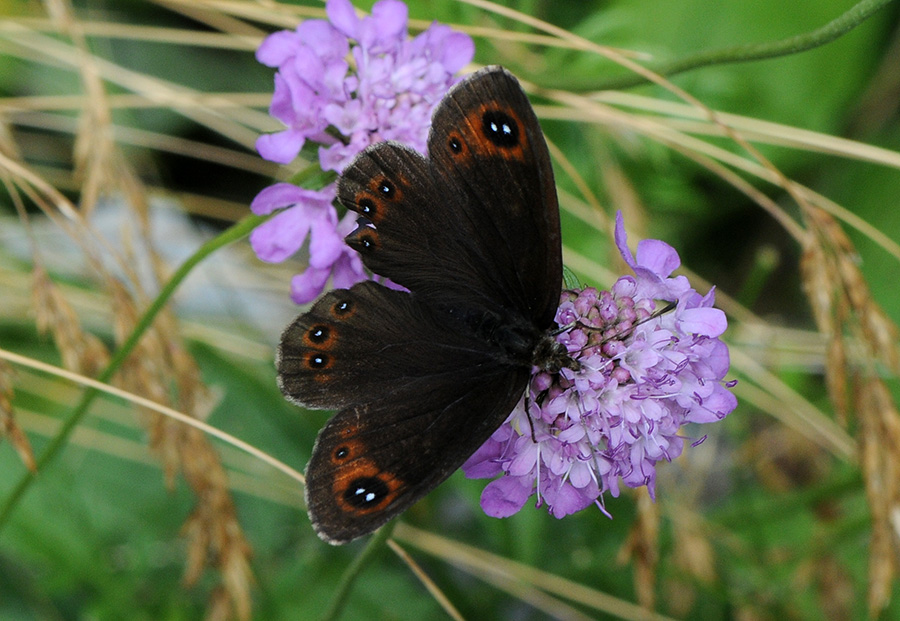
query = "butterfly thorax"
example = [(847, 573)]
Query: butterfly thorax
[(517, 340)]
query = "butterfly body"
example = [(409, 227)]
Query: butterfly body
[(421, 378)]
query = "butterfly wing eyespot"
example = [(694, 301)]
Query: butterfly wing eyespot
[(368, 208), (343, 308), (347, 448), (341, 453), (365, 240), (500, 128), (494, 131), (321, 335), (363, 489), (366, 494), (317, 361), (455, 144), (388, 190), (373, 202)]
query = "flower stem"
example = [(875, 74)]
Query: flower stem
[(376, 543), (237, 231), (838, 27)]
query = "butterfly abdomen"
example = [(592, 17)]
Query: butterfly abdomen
[(511, 338)]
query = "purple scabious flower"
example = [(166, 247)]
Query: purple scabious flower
[(642, 378), (389, 94)]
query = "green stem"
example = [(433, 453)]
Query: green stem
[(339, 599), (238, 231), (838, 27)]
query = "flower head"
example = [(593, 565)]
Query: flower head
[(390, 95), (641, 378)]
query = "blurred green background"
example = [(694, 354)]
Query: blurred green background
[(97, 536)]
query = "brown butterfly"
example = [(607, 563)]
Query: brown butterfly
[(423, 377)]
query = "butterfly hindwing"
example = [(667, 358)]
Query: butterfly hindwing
[(418, 396), (372, 461)]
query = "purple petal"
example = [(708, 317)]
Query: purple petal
[(565, 499), (338, 156), (715, 407), (718, 359), (526, 456), (506, 496), (281, 147), (305, 69), (709, 299), (657, 256), (454, 50), (345, 117), (307, 286), (580, 475), (282, 106), (459, 50), (280, 237), (485, 462), (348, 270), (386, 27), (337, 83), (325, 39), (622, 241), (278, 47), (325, 245), (342, 15), (704, 321), (286, 194)]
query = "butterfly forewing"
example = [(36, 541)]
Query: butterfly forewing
[(477, 224), (490, 161), (415, 237)]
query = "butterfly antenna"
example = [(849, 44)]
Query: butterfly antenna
[(528, 412), (618, 335), (655, 314)]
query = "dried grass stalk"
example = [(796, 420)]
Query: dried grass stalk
[(694, 560), (642, 548), (9, 429), (81, 351), (846, 313), (835, 587), (161, 368), (879, 445)]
